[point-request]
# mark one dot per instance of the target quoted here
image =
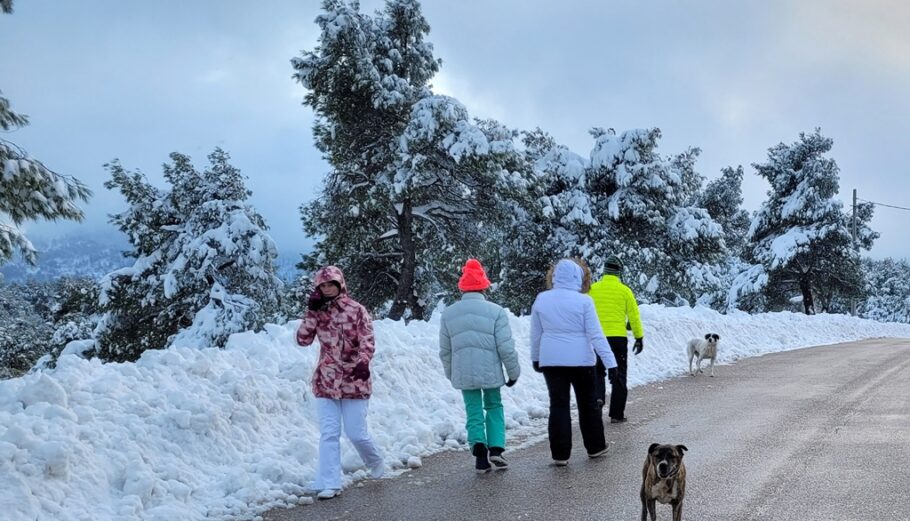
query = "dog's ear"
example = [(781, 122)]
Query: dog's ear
[(652, 447), (716, 337), (682, 449), (708, 336)]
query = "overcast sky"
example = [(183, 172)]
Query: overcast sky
[(136, 80)]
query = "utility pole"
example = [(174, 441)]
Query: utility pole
[(853, 234)]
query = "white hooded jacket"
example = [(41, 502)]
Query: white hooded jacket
[(565, 331)]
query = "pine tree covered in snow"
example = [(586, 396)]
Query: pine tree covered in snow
[(448, 189), (75, 311), (40, 318), (546, 218), (800, 244), (412, 175), (643, 204), (887, 289), (204, 268), (723, 199), (26, 328)]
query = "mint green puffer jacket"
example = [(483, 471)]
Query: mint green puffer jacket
[(475, 342)]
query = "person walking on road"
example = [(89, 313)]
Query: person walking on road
[(565, 334), (475, 342), (616, 307), (341, 382)]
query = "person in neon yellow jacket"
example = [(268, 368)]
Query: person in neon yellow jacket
[(617, 310)]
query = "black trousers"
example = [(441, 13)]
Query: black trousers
[(619, 390), (559, 381)]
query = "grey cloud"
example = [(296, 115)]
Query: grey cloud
[(136, 80)]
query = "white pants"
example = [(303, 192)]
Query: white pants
[(353, 414)]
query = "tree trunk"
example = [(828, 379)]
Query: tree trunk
[(805, 286), (404, 295)]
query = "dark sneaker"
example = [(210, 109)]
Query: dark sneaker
[(482, 464), (499, 463), (560, 462), (618, 420)]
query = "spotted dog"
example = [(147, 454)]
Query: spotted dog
[(703, 348)]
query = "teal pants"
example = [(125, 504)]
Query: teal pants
[(486, 422)]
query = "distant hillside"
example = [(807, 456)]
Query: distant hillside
[(94, 256), (91, 256)]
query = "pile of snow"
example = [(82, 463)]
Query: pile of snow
[(228, 433)]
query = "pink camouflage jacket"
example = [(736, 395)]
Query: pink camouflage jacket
[(345, 332)]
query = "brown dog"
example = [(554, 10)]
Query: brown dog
[(663, 479)]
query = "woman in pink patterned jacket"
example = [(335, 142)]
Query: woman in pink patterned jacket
[(341, 381)]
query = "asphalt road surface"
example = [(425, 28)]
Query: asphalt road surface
[(817, 434)]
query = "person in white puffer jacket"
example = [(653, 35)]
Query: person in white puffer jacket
[(565, 334)]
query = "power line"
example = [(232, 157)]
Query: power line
[(882, 204)]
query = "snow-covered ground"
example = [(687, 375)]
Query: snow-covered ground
[(227, 433)]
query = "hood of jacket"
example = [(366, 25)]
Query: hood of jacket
[(568, 275), (330, 274)]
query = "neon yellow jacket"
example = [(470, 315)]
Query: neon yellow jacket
[(614, 303)]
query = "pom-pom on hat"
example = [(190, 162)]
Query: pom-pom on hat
[(473, 277)]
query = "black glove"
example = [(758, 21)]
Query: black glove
[(361, 371), (611, 374), (536, 365), (510, 383), (639, 345), (316, 301)]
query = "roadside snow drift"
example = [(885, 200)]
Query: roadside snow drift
[(227, 433)]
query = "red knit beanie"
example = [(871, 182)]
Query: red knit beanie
[(473, 278)]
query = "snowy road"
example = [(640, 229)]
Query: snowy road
[(819, 434)]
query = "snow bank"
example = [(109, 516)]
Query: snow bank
[(224, 434)]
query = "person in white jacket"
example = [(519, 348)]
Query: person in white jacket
[(565, 334)]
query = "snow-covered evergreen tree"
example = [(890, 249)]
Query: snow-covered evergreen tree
[(723, 199), (29, 190), (204, 268), (26, 328), (887, 289), (643, 207), (75, 311), (546, 216), (799, 241), (447, 189), (412, 175)]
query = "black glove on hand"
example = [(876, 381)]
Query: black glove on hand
[(316, 301), (510, 383), (639, 345), (361, 371), (611, 374), (536, 366)]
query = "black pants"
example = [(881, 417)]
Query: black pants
[(619, 391), (559, 381)]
